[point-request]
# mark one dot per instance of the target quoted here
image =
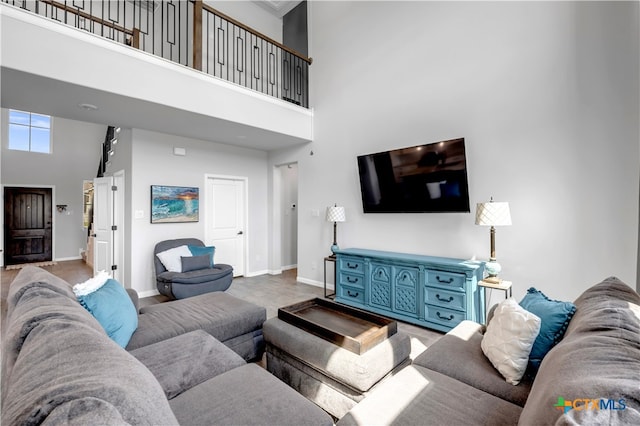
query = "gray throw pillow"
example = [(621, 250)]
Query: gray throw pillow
[(194, 263)]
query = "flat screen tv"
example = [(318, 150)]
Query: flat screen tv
[(420, 179)]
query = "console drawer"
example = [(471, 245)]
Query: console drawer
[(351, 280), (445, 279), (351, 294), (447, 299), (444, 316), (352, 265)]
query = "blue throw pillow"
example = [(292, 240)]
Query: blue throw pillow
[(555, 316), (199, 251), (112, 307)]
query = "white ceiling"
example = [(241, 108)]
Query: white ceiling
[(31, 92), (278, 8)]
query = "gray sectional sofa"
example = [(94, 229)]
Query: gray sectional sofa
[(185, 363), (595, 369)]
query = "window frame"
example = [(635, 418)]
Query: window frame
[(30, 126)]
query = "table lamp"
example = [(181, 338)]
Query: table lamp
[(493, 214), (335, 214)]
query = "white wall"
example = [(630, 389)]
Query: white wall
[(76, 152), (155, 164), (546, 95), (252, 15)]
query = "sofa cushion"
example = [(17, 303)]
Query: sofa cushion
[(246, 395), (35, 295), (197, 276), (219, 314), (554, 315), (599, 358), (610, 292), (52, 338), (509, 338), (85, 411), (184, 361), (458, 354), (418, 396), (113, 308)]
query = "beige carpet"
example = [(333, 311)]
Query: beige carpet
[(22, 265)]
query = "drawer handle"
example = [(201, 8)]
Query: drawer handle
[(449, 318), (352, 265), (440, 280), (352, 294), (352, 280), (449, 300)]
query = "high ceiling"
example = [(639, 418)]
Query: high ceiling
[(278, 8), (30, 92)]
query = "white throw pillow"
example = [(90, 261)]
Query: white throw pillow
[(171, 259), (92, 284), (509, 339)]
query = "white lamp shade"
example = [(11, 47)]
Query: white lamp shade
[(493, 214), (336, 214)]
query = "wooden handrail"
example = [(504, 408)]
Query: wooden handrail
[(197, 34), (89, 17), (256, 33)]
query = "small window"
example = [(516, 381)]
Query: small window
[(29, 131)]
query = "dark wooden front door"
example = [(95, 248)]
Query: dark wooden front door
[(27, 221)]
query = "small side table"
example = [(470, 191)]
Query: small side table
[(502, 285), (330, 259)]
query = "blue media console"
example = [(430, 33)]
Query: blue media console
[(433, 292)]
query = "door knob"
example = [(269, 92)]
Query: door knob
[(240, 232)]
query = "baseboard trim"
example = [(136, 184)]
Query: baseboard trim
[(64, 259), (255, 274), (311, 282), (147, 293)]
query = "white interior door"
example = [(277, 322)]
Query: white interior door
[(119, 222), (102, 223), (226, 224)]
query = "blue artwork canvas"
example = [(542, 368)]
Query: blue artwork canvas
[(171, 204)]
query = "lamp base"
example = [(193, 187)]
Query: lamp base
[(334, 248), (492, 267), (493, 280)]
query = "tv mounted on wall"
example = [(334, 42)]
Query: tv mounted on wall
[(419, 179)]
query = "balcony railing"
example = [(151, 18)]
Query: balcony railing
[(190, 33)]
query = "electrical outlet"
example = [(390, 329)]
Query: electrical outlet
[(314, 265)]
